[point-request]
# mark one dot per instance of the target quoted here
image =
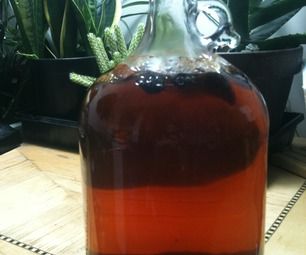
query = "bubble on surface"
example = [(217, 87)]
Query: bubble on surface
[(150, 81), (182, 79)]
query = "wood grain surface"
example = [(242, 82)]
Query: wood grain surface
[(41, 204)]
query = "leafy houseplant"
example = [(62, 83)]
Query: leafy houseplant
[(54, 37), (11, 67), (50, 28), (256, 21), (270, 62)]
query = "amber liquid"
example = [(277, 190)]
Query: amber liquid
[(177, 170)]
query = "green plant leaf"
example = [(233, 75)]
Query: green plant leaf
[(91, 22), (111, 12), (4, 12), (289, 41), (240, 15), (133, 14), (101, 22), (54, 12), (271, 10), (83, 22), (93, 16), (254, 4), (50, 46), (68, 38), (31, 22), (265, 31), (93, 6)]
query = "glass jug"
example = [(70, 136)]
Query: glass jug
[(174, 144)]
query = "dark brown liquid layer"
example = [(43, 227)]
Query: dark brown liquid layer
[(182, 135), (174, 164)]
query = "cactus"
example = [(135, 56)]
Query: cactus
[(110, 53)]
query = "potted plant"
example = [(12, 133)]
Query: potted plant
[(53, 35), (271, 63), (54, 39), (11, 66)]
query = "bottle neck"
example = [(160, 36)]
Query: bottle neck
[(169, 30), (172, 42)]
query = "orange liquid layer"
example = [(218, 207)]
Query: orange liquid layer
[(180, 171)]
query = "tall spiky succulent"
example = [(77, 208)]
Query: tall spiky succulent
[(49, 28), (109, 52)]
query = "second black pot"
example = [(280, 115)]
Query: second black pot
[(272, 73), (54, 94)]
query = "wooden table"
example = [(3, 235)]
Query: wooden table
[(41, 203)]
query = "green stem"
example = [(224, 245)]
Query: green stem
[(240, 13)]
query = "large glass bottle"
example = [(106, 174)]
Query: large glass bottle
[(174, 145)]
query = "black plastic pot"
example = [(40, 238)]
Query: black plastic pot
[(48, 131), (10, 138), (54, 94), (272, 73), (284, 136), (52, 103)]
